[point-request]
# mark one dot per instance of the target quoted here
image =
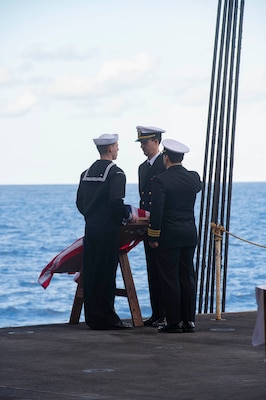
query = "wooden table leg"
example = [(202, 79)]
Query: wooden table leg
[(77, 303), (130, 289)]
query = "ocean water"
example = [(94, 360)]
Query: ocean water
[(38, 221)]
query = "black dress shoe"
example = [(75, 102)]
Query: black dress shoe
[(171, 328), (150, 321), (159, 322), (189, 326), (120, 325)]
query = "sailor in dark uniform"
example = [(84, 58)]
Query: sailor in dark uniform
[(172, 235), (150, 139), (100, 200)]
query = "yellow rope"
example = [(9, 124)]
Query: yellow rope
[(221, 228)]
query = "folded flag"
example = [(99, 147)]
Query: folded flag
[(69, 260), (138, 212)]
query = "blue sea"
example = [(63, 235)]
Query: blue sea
[(38, 221)]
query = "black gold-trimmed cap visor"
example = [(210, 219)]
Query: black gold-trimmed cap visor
[(148, 132), (145, 136)]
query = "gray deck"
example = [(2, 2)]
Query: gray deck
[(71, 362)]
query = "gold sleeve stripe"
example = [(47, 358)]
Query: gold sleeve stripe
[(154, 232)]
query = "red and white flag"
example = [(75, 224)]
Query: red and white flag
[(69, 260), (138, 212)]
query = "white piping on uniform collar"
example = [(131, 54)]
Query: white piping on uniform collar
[(98, 178)]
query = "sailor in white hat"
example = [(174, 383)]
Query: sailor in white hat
[(171, 145), (106, 139), (172, 234), (149, 138), (100, 200)]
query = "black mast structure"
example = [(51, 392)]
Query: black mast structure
[(219, 150)]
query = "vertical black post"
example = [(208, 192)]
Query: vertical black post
[(231, 161), (219, 149), (203, 228)]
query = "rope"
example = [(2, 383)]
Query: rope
[(221, 228)]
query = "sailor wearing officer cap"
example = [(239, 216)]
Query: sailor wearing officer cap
[(149, 138), (172, 234), (148, 132)]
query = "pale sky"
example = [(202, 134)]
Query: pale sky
[(72, 70)]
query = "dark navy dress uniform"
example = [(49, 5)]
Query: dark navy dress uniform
[(172, 224), (100, 200), (146, 175)]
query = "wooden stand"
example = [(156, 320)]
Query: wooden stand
[(128, 234)]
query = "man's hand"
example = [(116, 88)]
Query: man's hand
[(134, 219)]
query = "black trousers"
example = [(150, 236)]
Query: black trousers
[(178, 281), (100, 261), (154, 282)]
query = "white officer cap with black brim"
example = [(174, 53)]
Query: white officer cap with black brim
[(174, 146), (106, 139), (148, 132)]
